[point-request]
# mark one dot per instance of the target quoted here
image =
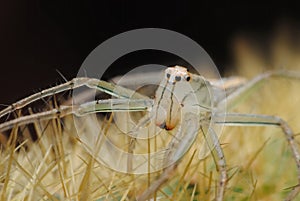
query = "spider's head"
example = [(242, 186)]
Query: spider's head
[(170, 96), (179, 93), (177, 74)]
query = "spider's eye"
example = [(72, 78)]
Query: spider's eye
[(168, 75), (187, 78), (177, 78)]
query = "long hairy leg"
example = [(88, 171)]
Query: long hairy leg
[(234, 119)]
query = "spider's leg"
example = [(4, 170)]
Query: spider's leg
[(235, 119), (132, 143), (217, 151), (180, 143), (235, 97), (109, 105), (228, 83), (99, 85)]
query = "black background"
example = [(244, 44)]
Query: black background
[(39, 37)]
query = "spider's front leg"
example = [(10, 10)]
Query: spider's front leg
[(181, 142)]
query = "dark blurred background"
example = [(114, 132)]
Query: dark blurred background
[(39, 37)]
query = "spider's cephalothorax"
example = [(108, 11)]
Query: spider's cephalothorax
[(179, 89)]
